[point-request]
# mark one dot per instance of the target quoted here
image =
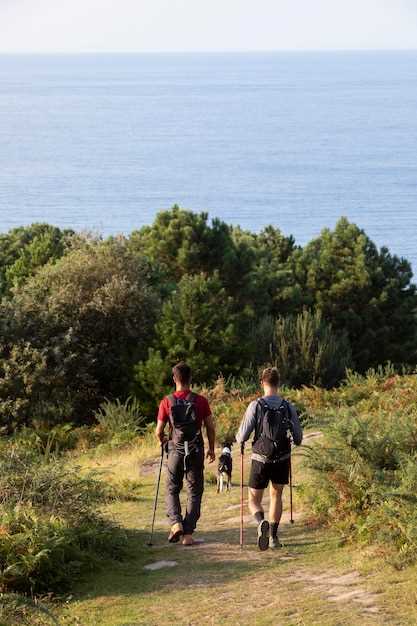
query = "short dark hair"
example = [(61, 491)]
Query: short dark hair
[(182, 373), (270, 375)]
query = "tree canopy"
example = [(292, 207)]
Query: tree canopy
[(85, 319), (362, 291), (24, 250), (72, 333)]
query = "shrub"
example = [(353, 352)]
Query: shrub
[(41, 553), (51, 527), (361, 290), (121, 421), (47, 442), (18, 609), (308, 352), (199, 324), (362, 476), (72, 333), (24, 250), (152, 381)]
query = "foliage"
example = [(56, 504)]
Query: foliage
[(269, 285), (363, 291), (50, 525), (199, 322), (120, 421), (26, 478), (182, 243), (306, 351), (47, 442), (70, 336), (152, 380), (363, 477), (19, 609), (41, 553), (24, 250), (84, 319)]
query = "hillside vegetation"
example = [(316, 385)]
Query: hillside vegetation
[(83, 319), (89, 331), (355, 482)]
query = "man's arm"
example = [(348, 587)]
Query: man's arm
[(297, 430), (211, 436), (160, 432), (162, 420), (248, 423)]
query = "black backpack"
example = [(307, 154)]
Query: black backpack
[(183, 418), (273, 442)]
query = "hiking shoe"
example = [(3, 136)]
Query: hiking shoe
[(274, 543), (187, 540), (175, 533), (263, 535)]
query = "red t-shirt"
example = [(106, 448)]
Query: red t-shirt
[(202, 407)]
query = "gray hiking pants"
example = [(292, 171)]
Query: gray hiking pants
[(194, 478)]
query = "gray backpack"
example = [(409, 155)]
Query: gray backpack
[(274, 440)]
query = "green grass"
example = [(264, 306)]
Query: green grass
[(217, 583), (322, 577)]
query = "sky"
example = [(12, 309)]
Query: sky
[(206, 25)]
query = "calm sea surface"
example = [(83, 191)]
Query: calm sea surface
[(103, 142)]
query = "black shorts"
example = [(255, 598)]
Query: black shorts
[(262, 473)]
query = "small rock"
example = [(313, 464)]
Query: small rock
[(160, 565)]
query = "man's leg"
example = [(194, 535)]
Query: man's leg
[(275, 506), (275, 513), (195, 484), (174, 483), (255, 503), (279, 478), (255, 507), (258, 480)]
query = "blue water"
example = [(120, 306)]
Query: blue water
[(103, 142)]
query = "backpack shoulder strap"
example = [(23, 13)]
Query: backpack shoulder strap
[(192, 397), (261, 408), (171, 399), (287, 407), (262, 403)]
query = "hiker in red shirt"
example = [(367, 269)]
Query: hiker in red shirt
[(186, 413)]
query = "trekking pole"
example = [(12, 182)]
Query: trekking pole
[(156, 495), (242, 452), (291, 511)]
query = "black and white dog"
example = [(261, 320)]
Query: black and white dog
[(224, 470)]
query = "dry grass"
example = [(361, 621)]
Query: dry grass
[(218, 584)]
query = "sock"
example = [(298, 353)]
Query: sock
[(274, 530), (259, 516)]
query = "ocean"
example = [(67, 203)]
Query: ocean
[(103, 142)]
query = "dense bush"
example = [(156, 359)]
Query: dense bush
[(308, 352), (120, 421), (50, 525), (182, 243), (362, 291), (70, 336), (19, 609), (269, 284), (363, 476), (83, 320), (24, 250)]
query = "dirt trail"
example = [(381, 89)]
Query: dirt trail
[(308, 582)]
